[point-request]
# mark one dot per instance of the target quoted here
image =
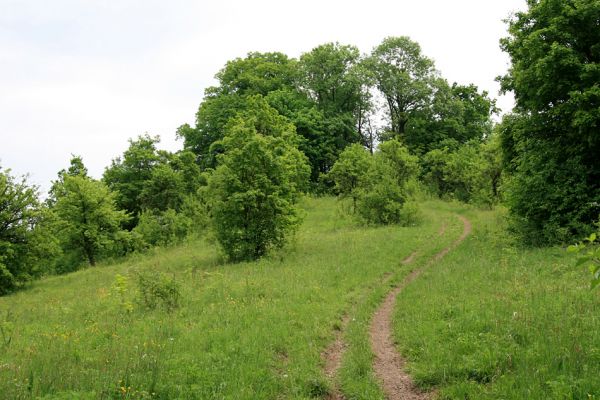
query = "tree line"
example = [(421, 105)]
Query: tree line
[(372, 128)]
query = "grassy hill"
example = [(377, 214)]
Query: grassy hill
[(486, 319)]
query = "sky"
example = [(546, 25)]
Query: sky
[(82, 77)]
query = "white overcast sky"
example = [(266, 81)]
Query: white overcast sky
[(83, 76)]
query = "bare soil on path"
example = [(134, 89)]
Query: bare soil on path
[(333, 354), (388, 364)]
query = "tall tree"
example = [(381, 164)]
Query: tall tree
[(456, 113), (256, 74), (76, 168), (404, 77), (553, 142), (328, 74), (127, 175), (333, 77), (88, 220)]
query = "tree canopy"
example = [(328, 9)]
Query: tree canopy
[(256, 185), (552, 143)]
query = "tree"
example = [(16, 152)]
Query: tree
[(382, 193), (127, 175), (88, 224), (404, 77), (458, 113), (76, 168), (350, 170), (256, 74), (552, 142), (21, 247), (470, 173), (256, 184), (376, 182), (329, 76), (164, 189)]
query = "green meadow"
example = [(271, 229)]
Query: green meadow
[(487, 321)]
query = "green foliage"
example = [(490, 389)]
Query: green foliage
[(470, 173), (382, 192), (349, 171), (163, 228), (258, 73), (377, 183), (590, 257), (88, 224), (549, 195), (164, 189), (552, 145), (331, 76), (404, 77), (380, 198), (256, 185), (127, 175), (324, 94), (157, 289), (22, 246), (455, 113)]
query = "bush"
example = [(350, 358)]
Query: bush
[(380, 197), (379, 183), (549, 196), (349, 171), (157, 289), (165, 228), (469, 173)]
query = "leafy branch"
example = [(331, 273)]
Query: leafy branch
[(589, 250)]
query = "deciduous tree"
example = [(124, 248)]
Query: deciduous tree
[(256, 185)]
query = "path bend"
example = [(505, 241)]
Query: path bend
[(388, 363)]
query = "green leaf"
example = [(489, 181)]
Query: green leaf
[(592, 238), (582, 260), (573, 248)]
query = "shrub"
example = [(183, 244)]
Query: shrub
[(349, 170), (378, 184), (158, 228), (380, 197), (157, 289), (469, 173)]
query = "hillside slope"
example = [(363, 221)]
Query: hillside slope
[(243, 331)]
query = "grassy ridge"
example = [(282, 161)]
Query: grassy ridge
[(499, 322), (244, 331)]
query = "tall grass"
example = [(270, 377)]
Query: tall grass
[(241, 331)]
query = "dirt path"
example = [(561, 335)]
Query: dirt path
[(333, 354), (333, 359), (388, 364)]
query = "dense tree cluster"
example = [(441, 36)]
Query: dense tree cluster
[(373, 128), (551, 142)]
